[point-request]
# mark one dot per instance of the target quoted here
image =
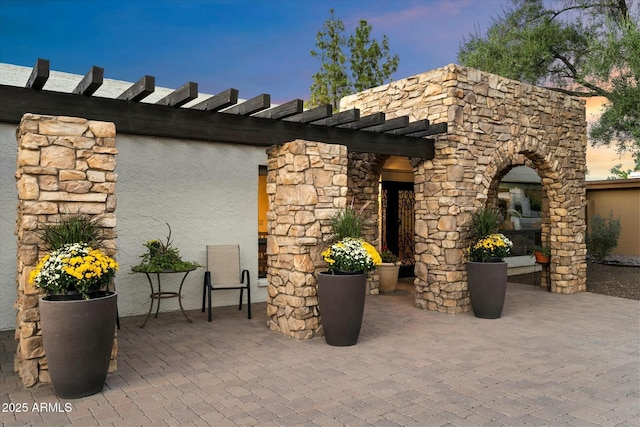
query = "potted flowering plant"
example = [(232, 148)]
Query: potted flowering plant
[(388, 272), (78, 314), (351, 255), (74, 271), (162, 257), (342, 288), (542, 253), (491, 248), (486, 269)]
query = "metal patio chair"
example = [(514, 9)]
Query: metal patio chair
[(223, 273)]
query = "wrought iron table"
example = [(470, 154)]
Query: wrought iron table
[(160, 294)]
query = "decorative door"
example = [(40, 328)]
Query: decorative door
[(398, 216)]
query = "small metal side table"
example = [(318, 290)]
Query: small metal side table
[(160, 294), (544, 271)]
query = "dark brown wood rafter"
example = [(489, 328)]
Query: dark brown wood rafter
[(366, 121), (340, 118), (434, 129), (90, 82), (218, 102), (412, 127), (253, 105), (219, 118), (39, 74), (185, 93), (284, 110), (139, 90), (397, 123), (312, 115)]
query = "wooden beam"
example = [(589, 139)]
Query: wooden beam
[(90, 82), (398, 122), (185, 93), (366, 121), (434, 129), (342, 117), (217, 102), (281, 111), (139, 118), (412, 127), (140, 89), (39, 74), (253, 105), (311, 115)]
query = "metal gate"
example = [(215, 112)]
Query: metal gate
[(398, 221)]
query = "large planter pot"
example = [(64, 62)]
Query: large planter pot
[(341, 301), (388, 276), (487, 287), (78, 339)]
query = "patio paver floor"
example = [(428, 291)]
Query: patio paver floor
[(549, 360)]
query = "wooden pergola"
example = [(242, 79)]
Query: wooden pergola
[(219, 118)]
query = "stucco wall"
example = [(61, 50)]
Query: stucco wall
[(622, 198), (8, 201), (207, 192)]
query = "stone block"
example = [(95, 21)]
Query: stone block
[(58, 157)]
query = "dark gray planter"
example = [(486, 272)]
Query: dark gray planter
[(487, 288), (341, 301), (78, 339)]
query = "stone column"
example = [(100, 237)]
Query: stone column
[(364, 190), (306, 186), (65, 166)]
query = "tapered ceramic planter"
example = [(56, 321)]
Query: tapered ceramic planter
[(341, 300), (78, 339), (388, 277), (487, 288)]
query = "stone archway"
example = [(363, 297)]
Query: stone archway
[(493, 124)]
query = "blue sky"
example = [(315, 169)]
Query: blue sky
[(251, 45)]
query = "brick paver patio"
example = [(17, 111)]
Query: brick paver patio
[(550, 360)]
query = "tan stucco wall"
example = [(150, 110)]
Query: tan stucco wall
[(622, 197)]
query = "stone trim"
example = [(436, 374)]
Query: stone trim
[(65, 165)]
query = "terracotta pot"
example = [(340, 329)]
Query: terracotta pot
[(78, 339), (388, 275), (540, 258), (487, 283), (341, 301)]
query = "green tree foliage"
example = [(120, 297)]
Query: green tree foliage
[(579, 47), (370, 63), (619, 173), (332, 82)]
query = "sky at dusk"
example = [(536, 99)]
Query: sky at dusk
[(255, 46)]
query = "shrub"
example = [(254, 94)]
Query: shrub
[(603, 236)]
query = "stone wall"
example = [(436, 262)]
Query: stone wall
[(65, 166), (494, 124), (306, 186)]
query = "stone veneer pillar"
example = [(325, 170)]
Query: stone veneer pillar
[(363, 176), (306, 186), (494, 124), (64, 167)]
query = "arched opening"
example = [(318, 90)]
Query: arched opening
[(520, 199)]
